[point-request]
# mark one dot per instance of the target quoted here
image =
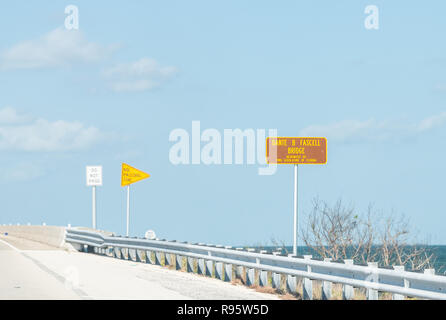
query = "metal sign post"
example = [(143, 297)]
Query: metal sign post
[(94, 178), (295, 211), (94, 206), (128, 209)]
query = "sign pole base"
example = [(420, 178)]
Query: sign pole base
[(94, 206), (128, 209)]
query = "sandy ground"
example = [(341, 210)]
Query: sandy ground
[(30, 270)]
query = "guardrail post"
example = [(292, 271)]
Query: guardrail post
[(139, 255), (190, 264), (276, 280), (131, 254), (250, 276), (263, 278), (406, 283), (136, 256), (149, 259), (168, 259), (122, 255), (228, 272), (348, 292), (116, 253), (178, 262), (307, 285), (291, 284), (291, 281), (429, 271), (276, 277), (327, 286), (263, 275), (201, 268), (158, 258), (209, 268), (239, 272), (372, 294), (219, 270)]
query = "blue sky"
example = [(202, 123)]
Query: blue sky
[(112, 92)]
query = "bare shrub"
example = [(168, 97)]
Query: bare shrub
[(340, 232)]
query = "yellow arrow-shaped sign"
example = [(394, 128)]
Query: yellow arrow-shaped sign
[(131, 175)]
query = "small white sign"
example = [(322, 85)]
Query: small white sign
[(94, 175)]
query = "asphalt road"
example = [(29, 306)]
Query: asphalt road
[(23, 278), (30, 270)]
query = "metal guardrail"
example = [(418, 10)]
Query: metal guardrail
[(221, 260)]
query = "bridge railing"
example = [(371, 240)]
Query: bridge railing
[(267, 268)]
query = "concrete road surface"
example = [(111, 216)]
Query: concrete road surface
[(30, 270)]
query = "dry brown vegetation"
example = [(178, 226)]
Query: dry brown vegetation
[(339, 232)]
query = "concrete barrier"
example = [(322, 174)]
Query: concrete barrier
[(49, 235)]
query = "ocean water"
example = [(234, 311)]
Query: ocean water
[(440, 263), (439, 252)]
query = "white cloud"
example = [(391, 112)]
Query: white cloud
[(440, 87), (56, 48), (39, 134), (373, 130), (133, 85), (20, 172), (141, 75), (10, 115), (432, 122)]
